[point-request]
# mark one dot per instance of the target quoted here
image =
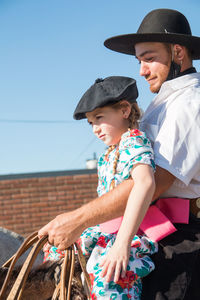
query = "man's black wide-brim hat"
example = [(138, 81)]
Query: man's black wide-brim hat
[(160, 25), (106, 91)]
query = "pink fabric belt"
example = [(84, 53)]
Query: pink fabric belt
[(159, 219)]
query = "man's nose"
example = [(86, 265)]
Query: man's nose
[(144, 69)]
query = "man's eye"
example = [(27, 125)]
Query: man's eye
[(148, 59)]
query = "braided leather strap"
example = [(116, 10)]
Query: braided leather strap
[(31, 239), (63, 289)]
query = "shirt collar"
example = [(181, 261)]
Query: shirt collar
[(183, 81), (188, 71), (168, 88)]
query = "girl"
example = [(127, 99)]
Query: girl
[(119, 258)]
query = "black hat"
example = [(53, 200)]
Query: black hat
[(160, 25), (106, 91)]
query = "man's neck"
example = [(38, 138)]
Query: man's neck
[(175, 71), (188, 71)]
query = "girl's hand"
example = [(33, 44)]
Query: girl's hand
[(46, 247), (115, 263)]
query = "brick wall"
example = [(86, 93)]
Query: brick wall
[(28, 201)]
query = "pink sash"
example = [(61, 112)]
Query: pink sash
[(159, 219)]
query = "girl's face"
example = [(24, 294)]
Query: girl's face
[(109, 123)]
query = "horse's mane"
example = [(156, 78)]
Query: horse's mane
[(13, 234)]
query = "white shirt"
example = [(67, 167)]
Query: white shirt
[(172, 122)]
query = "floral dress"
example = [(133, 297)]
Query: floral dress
[(134, 148)]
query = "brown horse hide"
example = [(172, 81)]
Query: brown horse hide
[(42, 280)]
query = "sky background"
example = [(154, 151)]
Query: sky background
[(51, 52)]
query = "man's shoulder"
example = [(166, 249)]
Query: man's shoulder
[(175, 96), (183, 90), (188, 82)]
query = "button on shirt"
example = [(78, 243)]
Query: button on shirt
[(172, 122)]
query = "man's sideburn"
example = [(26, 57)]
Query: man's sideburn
[(164, 74)]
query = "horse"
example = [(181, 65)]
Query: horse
[(10, 241), (43, 277), (42, 280)]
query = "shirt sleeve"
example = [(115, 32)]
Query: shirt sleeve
[(135, 148), (177, 145)]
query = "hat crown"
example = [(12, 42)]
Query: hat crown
[(106, 91), (165, 21), (160, 25)]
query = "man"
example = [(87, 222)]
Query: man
[(177, 157), (165, 48)]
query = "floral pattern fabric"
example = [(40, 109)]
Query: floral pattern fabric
[(134, 148), (97, 244)]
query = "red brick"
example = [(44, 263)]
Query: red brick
[(27, 204)]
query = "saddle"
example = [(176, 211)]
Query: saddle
[(63, 287)]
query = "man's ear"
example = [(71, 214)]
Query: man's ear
[(179, 53), (181, 57)]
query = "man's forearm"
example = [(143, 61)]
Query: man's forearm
[(107, 207), (66, 228), (164, 180), (112, 204)]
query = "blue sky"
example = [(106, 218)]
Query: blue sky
[(50, 53)]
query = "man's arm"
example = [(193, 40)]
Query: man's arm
[(164, 180), (66, 228)]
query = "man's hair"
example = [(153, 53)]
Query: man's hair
[(168, 48)]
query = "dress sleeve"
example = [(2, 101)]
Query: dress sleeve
[(135, 148)]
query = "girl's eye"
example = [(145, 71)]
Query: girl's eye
[(139, 61), (99, 117)]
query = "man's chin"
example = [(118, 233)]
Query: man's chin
[(154, 89)]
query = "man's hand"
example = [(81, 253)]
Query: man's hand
[(64, 230)]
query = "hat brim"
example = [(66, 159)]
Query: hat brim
[(125, 43)]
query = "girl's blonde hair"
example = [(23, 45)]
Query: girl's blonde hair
[(135, 113), (133, 118)]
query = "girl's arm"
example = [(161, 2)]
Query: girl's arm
[(138, 203)]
